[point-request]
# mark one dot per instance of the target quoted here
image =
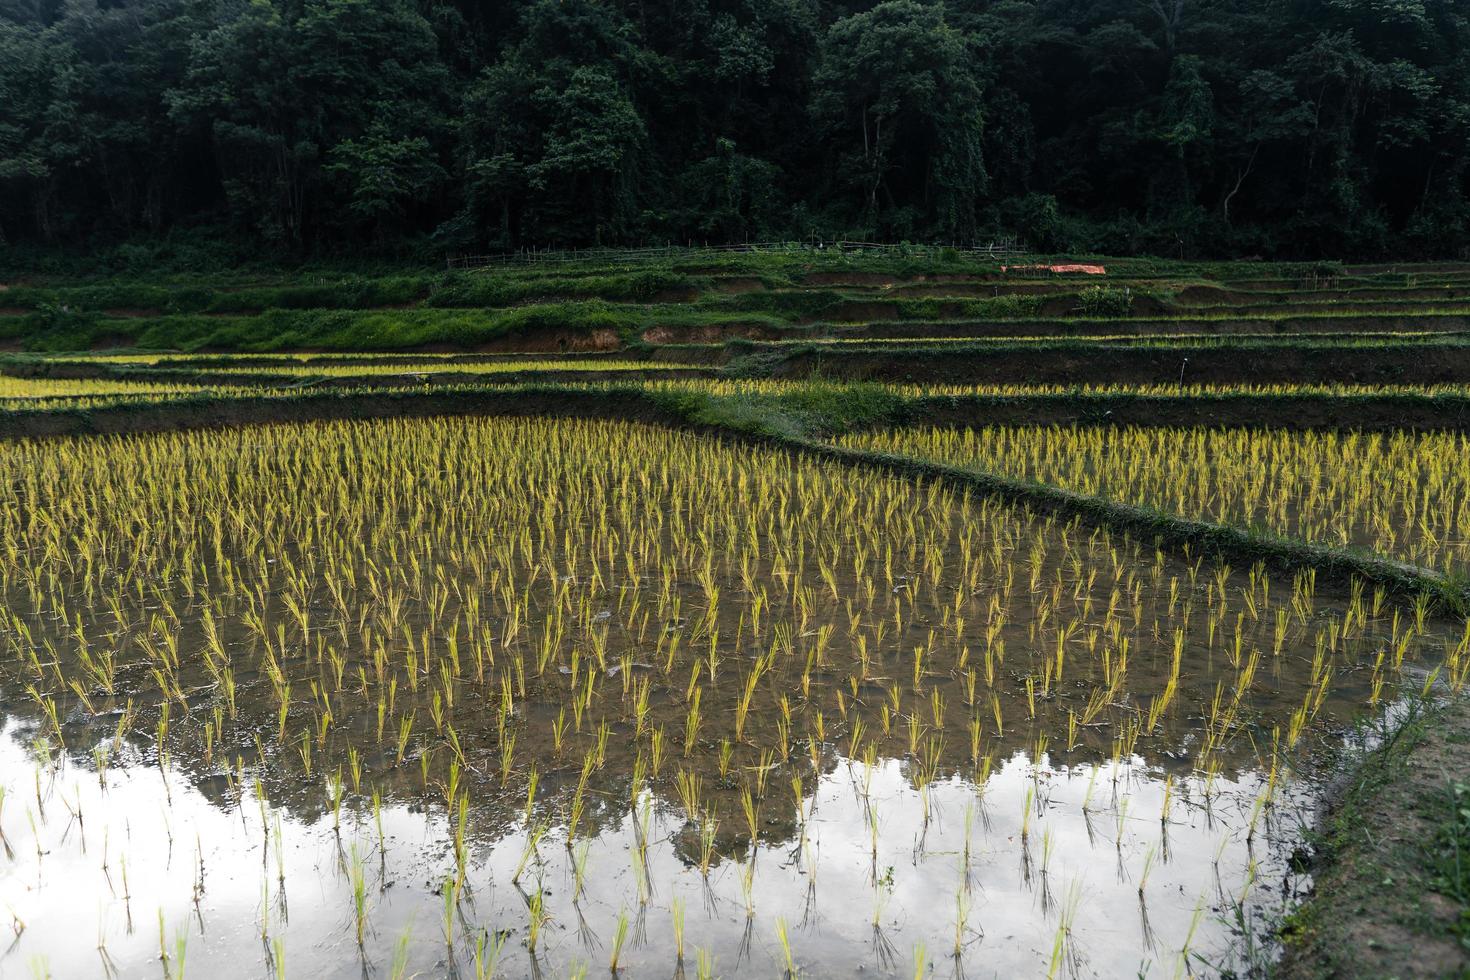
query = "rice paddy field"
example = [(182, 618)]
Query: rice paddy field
[(534, 642), (1402, 495)]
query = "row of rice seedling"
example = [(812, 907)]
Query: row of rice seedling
[(1357, 338), (388, 364), (1403, 495), (778, 386), (508, 367), (31, 388), (552, 640)]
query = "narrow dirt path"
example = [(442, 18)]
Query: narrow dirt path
[(1390, 893)]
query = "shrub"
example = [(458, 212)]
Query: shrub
[(1105, 301)]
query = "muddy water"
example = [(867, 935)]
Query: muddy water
[(1400, 494), (916, 773)]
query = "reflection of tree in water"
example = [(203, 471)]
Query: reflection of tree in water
[(630, 607)]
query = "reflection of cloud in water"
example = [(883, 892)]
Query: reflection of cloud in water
[(102, 878)]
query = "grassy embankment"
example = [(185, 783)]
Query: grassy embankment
[(1392, 869), (713, 298)]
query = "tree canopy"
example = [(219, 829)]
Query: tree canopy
[(1227, 127)]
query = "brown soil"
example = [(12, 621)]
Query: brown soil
[(737, 284), (1357, 307), (857, 311), (1205, 296), (1412, 268), (953, 277), (438, 379), (849, 279), (972, 288), (1104, 364), (111, 342), (1212, 296), (1381, 414), (709, 333), (1144, 305), (543, 341), (13, 311), (222, 413), (686, 294), (960, 329)]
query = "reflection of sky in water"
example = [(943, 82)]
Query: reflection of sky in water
[(72, 898)]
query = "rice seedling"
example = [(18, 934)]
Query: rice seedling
[(620, 936), (676, 910), (488, 949), (358, 877), (784, 938), (449, 892), (1400, 494)]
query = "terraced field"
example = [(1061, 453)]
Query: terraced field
[(757, 614)]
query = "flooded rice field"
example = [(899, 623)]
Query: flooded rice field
[(508, 697), (1401, 495)]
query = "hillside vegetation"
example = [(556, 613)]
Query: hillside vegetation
[(190, 134)]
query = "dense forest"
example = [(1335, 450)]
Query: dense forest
[(1180, 127)]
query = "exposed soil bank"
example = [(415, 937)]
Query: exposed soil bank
[(710, 333), (1055, 327), (1339, 298), (1386, 307), (51, 366), (1105, 364), (206, 412), (1375, 268), (1380, 906), (1380, 413), (268, 379)]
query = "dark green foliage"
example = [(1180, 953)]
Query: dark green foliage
[(350, 294), (1101, 301), (991, 307), (280, 329), (139, 298), (52, 328), (151, 133), (479, 289)]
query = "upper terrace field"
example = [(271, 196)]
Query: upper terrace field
[(930, 316), (605, 303)]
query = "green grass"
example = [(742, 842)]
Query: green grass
[(458, 289), (360, 308), (483, 289), (755, 359), (343, 330), (1449, 851), (1391, 895), (811, 304), (350, 293)]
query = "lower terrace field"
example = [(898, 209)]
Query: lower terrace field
[(315, 697), (712, 615), (1405, 496)]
